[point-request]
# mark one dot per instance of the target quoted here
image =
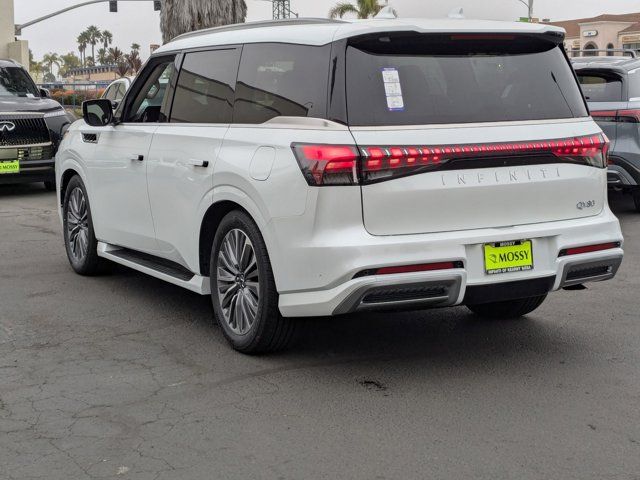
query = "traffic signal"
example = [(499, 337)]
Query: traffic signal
[(156, 6), (113, 6)]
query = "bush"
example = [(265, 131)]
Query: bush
[(75, 97)]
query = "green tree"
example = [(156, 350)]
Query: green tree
[(69, 61), (36, 70), (362, 9), (181, 16), (135, 47)]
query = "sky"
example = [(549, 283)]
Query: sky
[(136, 22)]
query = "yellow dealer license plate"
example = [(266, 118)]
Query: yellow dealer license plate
[(12, 166), (505, 257)]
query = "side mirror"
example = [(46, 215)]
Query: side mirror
[(44, 93), (97, 113)]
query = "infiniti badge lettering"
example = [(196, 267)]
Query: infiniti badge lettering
[(7, 126)]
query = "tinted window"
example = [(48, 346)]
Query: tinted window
[(150, 102), (411, 79), (598, 87), (281, 80), (206, 87), (16, 82)]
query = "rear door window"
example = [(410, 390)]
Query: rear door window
[(206, 87), (601, 87), (281, 80), (414, 79)]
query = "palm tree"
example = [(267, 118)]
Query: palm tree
[(363, 9), (95, 36), (83, 40), (115, 55), (134, 61), (123, 68), (107, 38), (102, 56), (181, 16), (51, 59), (135, 47)]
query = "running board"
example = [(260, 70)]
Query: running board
[(156, 267)]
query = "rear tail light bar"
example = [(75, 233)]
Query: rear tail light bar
[(589, 249), (324, 165), (424, 267), (618, 116)]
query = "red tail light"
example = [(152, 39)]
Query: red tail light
[(327, 164), (345, 165), (589, 248), (619, 116)]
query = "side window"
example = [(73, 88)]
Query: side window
[(206, 87), (121, 91), (150, 102), (109, 93), (281, 80)]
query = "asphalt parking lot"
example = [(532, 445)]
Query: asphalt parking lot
[(123, 376)]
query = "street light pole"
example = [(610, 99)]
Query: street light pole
[(529, 5)]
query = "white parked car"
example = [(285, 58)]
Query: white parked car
[(117, 90), (315, 167)]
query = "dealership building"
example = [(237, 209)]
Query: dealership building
[(602, 32)]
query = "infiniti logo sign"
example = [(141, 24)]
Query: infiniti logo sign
[(7, 126)]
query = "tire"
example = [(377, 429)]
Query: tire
[(50, 186), (243, 293), (636, 199), (79, 236), (509, 309)]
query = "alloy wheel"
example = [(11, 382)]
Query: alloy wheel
[(237, 281), (78, 224)]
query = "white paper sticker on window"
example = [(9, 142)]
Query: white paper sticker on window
[(393, 89)]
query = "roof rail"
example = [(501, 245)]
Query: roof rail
[(262, 24), (625, 51)]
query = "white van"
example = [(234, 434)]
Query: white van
[(316, 167)]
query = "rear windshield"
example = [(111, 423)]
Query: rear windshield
[(413, 79), (601, 87)]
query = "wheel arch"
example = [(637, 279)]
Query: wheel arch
[(65, 178)]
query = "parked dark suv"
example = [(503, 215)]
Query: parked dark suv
[(31, 127), (611, 85)]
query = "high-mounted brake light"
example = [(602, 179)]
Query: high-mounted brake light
[(348, 165)]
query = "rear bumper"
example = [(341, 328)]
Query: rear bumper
[(31, 171), (469, 284), (623, 172)]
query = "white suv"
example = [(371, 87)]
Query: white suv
[(317, 167)]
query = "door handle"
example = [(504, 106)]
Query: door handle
[(197, 163), (137, 158)]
